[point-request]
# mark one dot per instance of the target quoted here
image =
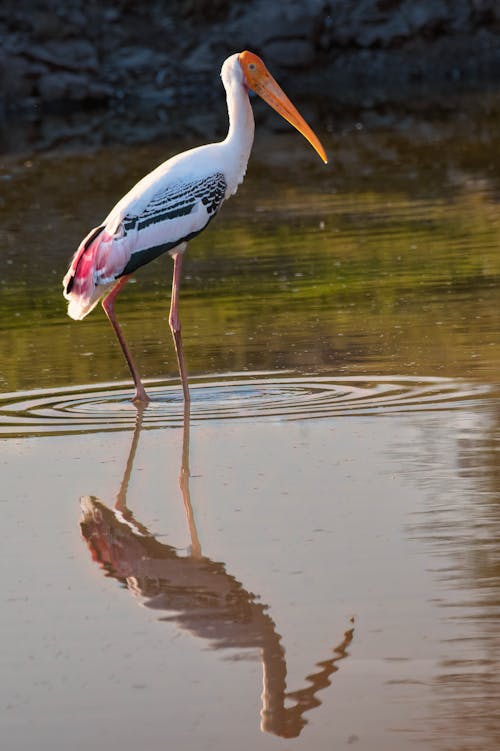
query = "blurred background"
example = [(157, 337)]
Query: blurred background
[(385, 261), (130, 66)]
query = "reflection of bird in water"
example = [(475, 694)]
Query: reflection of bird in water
[(172, 204), (200, 596)]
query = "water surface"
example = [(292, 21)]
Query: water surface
[(311, 560)]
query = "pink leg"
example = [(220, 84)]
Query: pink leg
[(175, 324), (109, 308)]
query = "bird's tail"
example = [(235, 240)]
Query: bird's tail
[(80, 283)]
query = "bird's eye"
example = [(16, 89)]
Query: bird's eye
[(251, 66)]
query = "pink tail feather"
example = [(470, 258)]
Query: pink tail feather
[(83, 284)]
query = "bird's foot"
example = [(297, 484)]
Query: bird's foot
[(141, 399)]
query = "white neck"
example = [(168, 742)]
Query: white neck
[(239, 140)]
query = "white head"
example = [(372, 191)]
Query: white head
[(247, 70), (231, 71)]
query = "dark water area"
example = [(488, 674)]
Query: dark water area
[(315, 548), (388, 255)]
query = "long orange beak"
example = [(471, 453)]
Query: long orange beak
[(259, 79)]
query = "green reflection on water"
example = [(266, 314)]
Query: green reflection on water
[(306, 268)]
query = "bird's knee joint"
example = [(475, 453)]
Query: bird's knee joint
[(175, 326)]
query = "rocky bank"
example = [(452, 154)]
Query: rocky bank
[(75, 56)]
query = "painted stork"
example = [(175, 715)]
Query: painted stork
[(171, 205)]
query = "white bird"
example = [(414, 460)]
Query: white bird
[(172, 204)]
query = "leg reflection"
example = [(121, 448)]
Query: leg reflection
[(198, 594)]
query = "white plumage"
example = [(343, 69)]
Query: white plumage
[(172, 204)]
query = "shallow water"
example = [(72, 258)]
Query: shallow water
[(315, 552)]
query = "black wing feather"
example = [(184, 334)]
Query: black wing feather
[(174, 201)]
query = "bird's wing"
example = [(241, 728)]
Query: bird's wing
[(171, 215)]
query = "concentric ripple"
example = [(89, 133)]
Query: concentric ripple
[(261, 395)]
